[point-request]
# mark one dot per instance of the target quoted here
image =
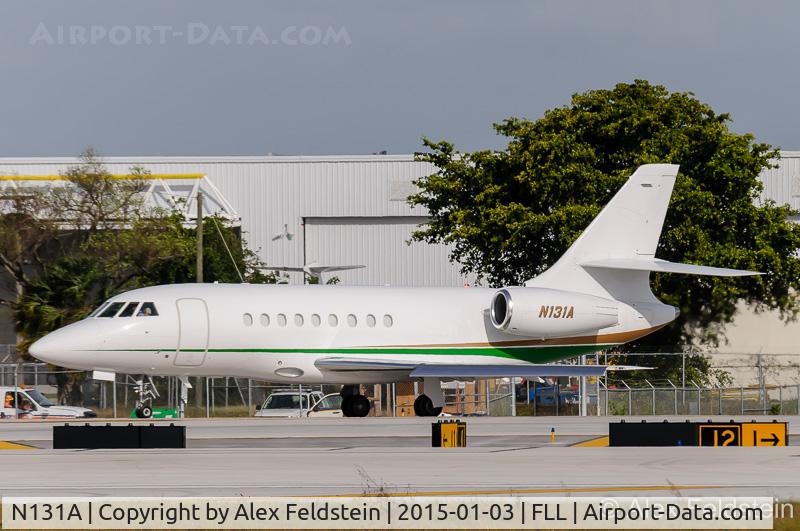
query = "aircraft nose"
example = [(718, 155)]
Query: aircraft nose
[(47, 349)]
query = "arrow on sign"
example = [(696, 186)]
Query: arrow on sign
[(774, 440)]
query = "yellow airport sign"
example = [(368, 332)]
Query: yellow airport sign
[(720, 435), (708, 434), (763, 434)]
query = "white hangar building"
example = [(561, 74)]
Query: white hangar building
[(332, 210)]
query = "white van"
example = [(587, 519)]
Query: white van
[(28, 403)]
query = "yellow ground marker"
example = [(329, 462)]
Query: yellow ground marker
[(5, 445), (600, 441)]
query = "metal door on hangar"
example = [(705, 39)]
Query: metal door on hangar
[(192, 332)]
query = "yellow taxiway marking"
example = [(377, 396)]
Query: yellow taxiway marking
[(610, 488), (5, 445), (599, 441)]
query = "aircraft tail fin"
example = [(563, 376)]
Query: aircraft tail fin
[(615, 254)]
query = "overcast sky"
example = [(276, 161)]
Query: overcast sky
[(352, 77)]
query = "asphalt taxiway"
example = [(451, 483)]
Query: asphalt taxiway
[(232, 457)]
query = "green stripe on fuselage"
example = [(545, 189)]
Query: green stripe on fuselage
[(542, 354)]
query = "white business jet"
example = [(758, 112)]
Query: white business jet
[(596, 296)]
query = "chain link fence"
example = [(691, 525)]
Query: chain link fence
[(672, 399), (495, 397)]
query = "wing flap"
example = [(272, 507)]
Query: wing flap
[(663, 266), (349, 364)]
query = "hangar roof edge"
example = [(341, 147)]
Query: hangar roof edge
[(212, 159)]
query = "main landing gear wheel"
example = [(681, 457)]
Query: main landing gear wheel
[(423, 407), (144, 412), (355, 406)]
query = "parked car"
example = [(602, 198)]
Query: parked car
[(292, 404), (29, 403), (328, 406), (545, 396)]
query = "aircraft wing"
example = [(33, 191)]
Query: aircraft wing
[(447, 370)]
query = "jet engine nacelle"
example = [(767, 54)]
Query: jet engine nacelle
[(550, 313)]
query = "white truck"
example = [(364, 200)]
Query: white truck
[(28, 403), (294, 404)]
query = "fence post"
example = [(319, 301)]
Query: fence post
[(486, 388), (513, 396), (630, 397), (699, 398), (741, 397), (653, 405), (602, 388), (674, 395)]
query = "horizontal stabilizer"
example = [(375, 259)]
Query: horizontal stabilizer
[(663, 266)]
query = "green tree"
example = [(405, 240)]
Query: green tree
[(74, 246), (510, 214)]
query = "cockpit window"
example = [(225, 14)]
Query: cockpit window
[(112, 309), (98, 309), (147, 309), (128, 311)]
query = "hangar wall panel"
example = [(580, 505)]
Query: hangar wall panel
[(782, 184), (380, 245)]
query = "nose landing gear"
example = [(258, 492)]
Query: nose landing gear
[(354, 404), (147, 392)]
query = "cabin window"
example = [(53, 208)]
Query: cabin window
[(351, 320), (247, 319), (112, 309), (128, 310), (316, 320), (370, 320), (281, 319), (388, 321), (333, 320), (298, 319), (264, 319), (148, 309)]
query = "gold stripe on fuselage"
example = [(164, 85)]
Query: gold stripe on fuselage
[(597, 339)]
